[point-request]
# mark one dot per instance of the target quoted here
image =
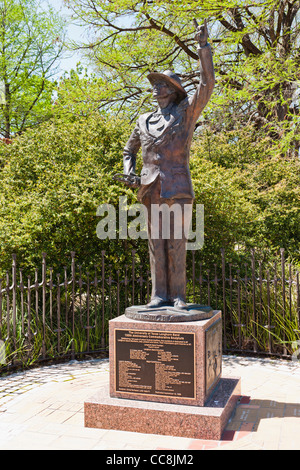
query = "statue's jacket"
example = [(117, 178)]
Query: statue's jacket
[(166, 156)]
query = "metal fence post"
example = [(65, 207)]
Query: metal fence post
[(224, 299), (44, 304), (283, 292), (254, 298), (248, 302), (103, 297), (73, 302), (14, 299)]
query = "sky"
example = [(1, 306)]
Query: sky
[(69, 59), (75, 32)]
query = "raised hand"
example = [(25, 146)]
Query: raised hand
[(201, 33)]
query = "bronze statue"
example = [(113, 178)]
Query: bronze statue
[(165, 137)]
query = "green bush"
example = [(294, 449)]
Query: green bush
[(54, 178), (250, 191), (52, 181)]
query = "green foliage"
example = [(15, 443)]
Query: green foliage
[(54, 178), (31, 40), (229, 217), (257, 188), (52, 181), (243, 162), (255, 46), (80, 94)]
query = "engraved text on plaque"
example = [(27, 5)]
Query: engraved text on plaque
[(156, 363)]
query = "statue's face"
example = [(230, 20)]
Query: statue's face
[(162, 90)]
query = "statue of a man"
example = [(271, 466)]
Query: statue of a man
[(165, 137)]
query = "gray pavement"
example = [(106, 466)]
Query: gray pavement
[(42, 408)]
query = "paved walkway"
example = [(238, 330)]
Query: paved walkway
[(43, 409)]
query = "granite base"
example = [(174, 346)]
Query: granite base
[(196, 369), (207, 422)]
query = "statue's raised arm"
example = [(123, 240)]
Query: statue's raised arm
[(207, 77), (201, 33)]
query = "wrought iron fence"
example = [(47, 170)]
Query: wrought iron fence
[(66, 314)]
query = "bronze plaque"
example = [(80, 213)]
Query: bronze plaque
[(213, 354), (159, 363)]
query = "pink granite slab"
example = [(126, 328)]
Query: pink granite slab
[(208, 422), (198, 328)]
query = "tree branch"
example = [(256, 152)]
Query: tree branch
[(172, 35), (32, 105), (246, 42)]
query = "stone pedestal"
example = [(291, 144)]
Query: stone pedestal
[(165, 362), (194, 422), (165, 378)]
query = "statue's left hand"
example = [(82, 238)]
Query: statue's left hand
[(202, 34), (132, 180)]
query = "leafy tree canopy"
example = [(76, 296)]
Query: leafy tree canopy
[(31, 41), (256, 55)]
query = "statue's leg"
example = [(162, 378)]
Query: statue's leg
[(157, 250), (177, 270), (176, 252), (158, 266)]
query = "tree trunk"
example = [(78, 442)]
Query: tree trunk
[(7, 111)]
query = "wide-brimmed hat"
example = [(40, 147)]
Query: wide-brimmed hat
[(171, 79)]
